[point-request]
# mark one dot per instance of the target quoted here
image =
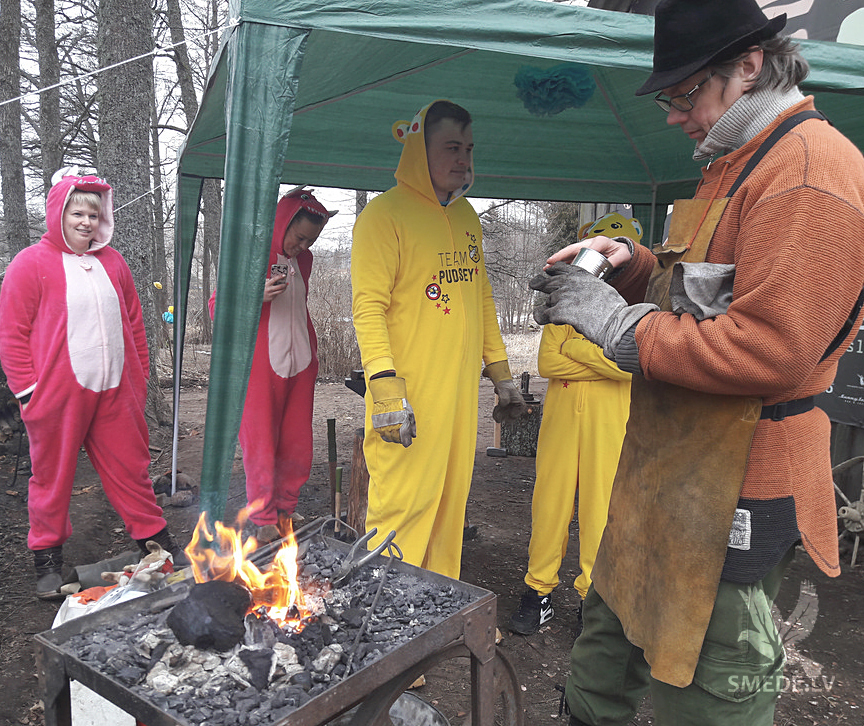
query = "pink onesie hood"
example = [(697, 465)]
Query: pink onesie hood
[(286, 210), (58, 196)]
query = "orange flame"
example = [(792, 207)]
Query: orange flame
[(225, 556)]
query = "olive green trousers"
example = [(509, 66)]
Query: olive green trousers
[(737, 679)]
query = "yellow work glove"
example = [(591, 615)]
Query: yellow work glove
[(392, 415), (511, 405)]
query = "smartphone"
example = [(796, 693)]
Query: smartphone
[(279, 271)]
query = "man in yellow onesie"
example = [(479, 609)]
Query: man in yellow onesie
[(425, 322), (584, 417)]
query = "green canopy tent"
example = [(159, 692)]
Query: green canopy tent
[(306, 92)]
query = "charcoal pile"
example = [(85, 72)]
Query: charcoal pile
[(269, 672)]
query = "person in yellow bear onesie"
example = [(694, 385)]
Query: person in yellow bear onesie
[(425, 322), (584, 417)]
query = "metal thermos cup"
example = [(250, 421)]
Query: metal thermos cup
[(593, 262)]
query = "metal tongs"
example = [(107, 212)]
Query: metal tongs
[(358, 557)]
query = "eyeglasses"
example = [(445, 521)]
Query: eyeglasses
[(684, 102)]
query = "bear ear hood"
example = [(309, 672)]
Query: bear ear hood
[(612, 224), (286, 209), (413, 169), (64, 183)]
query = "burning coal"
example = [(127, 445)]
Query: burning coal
[(275, 667), (276, 594)]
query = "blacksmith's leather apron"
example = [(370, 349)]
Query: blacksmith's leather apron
[(679, 477)]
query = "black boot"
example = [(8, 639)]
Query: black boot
[(164, 539), (49, 563), (564, 708)]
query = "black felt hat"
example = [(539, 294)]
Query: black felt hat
[(689, 34)]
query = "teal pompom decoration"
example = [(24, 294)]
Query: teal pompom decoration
[(550, 91)]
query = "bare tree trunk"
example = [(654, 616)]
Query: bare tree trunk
[(211, 196), (49, 101), (125, 31), (160, 266), (181, 60), (212, 206), (206, 323), (15, 232)]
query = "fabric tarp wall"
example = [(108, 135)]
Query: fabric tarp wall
[(304, 92)]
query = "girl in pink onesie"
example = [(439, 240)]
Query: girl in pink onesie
[(74, 349), (276, 429)]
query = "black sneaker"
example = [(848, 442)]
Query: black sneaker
[(534, 610)]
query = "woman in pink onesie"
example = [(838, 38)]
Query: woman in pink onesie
[(74, 349), (276, 429)]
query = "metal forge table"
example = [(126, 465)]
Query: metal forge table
[(469, 632)]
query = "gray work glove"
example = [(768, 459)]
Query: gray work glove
[(591, 306), (392, 415), (511, 403)]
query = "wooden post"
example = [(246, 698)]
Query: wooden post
[(358, 493), (337, 527), (331, 460)]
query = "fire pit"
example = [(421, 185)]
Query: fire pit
[(127, 655)]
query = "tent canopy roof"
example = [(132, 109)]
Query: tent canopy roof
[(307, 92), (368, 63)]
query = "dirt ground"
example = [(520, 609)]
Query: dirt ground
[(824, 677)]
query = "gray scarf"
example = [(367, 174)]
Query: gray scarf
[(744, 119)]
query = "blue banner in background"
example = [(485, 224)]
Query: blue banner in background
[(844, 401)]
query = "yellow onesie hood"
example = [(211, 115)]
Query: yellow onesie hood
[(612, 225), (413, 169)]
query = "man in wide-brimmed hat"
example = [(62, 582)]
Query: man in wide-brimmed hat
[(730, 329)]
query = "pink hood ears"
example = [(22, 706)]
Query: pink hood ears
[(65, 182), (287, 208)]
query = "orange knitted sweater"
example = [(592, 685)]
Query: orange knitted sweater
[(795, 232)]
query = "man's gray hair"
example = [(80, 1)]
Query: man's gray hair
[(783, 66)]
